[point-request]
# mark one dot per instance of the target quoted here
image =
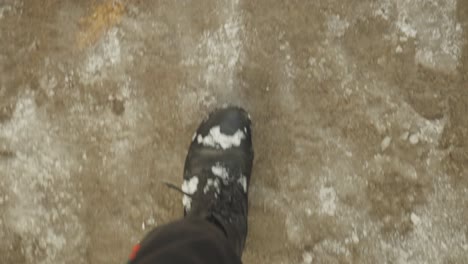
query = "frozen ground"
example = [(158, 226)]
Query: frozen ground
[(360, 110)]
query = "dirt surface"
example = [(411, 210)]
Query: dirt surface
[(359, 109)]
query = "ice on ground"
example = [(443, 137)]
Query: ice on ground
[(327, 196)]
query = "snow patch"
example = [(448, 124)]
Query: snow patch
[(327, 196), (337, 26), (211, 183), (405, 27), (433, 24), (189, 187), (243, 182), (219, 51), (221, 172), (219, 140), (107, 55), (39, 190)]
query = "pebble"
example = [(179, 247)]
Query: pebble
[(415, 219), (414, 139), (385, 143), (399, 49)]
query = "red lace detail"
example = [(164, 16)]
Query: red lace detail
[(135, 250)]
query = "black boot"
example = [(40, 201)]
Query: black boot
[(217, 173)]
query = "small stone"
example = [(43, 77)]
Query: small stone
[(307, 258), (385, 143), (151, 221), (465, 247), (312, 61), (399, 49), (415, 219), (414, 139)]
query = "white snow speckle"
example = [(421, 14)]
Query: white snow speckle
[(243, 181), (217, 139), (405, 27), (327, 196), (221, 172), (189, 187), (210, 183), (337, 26)]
